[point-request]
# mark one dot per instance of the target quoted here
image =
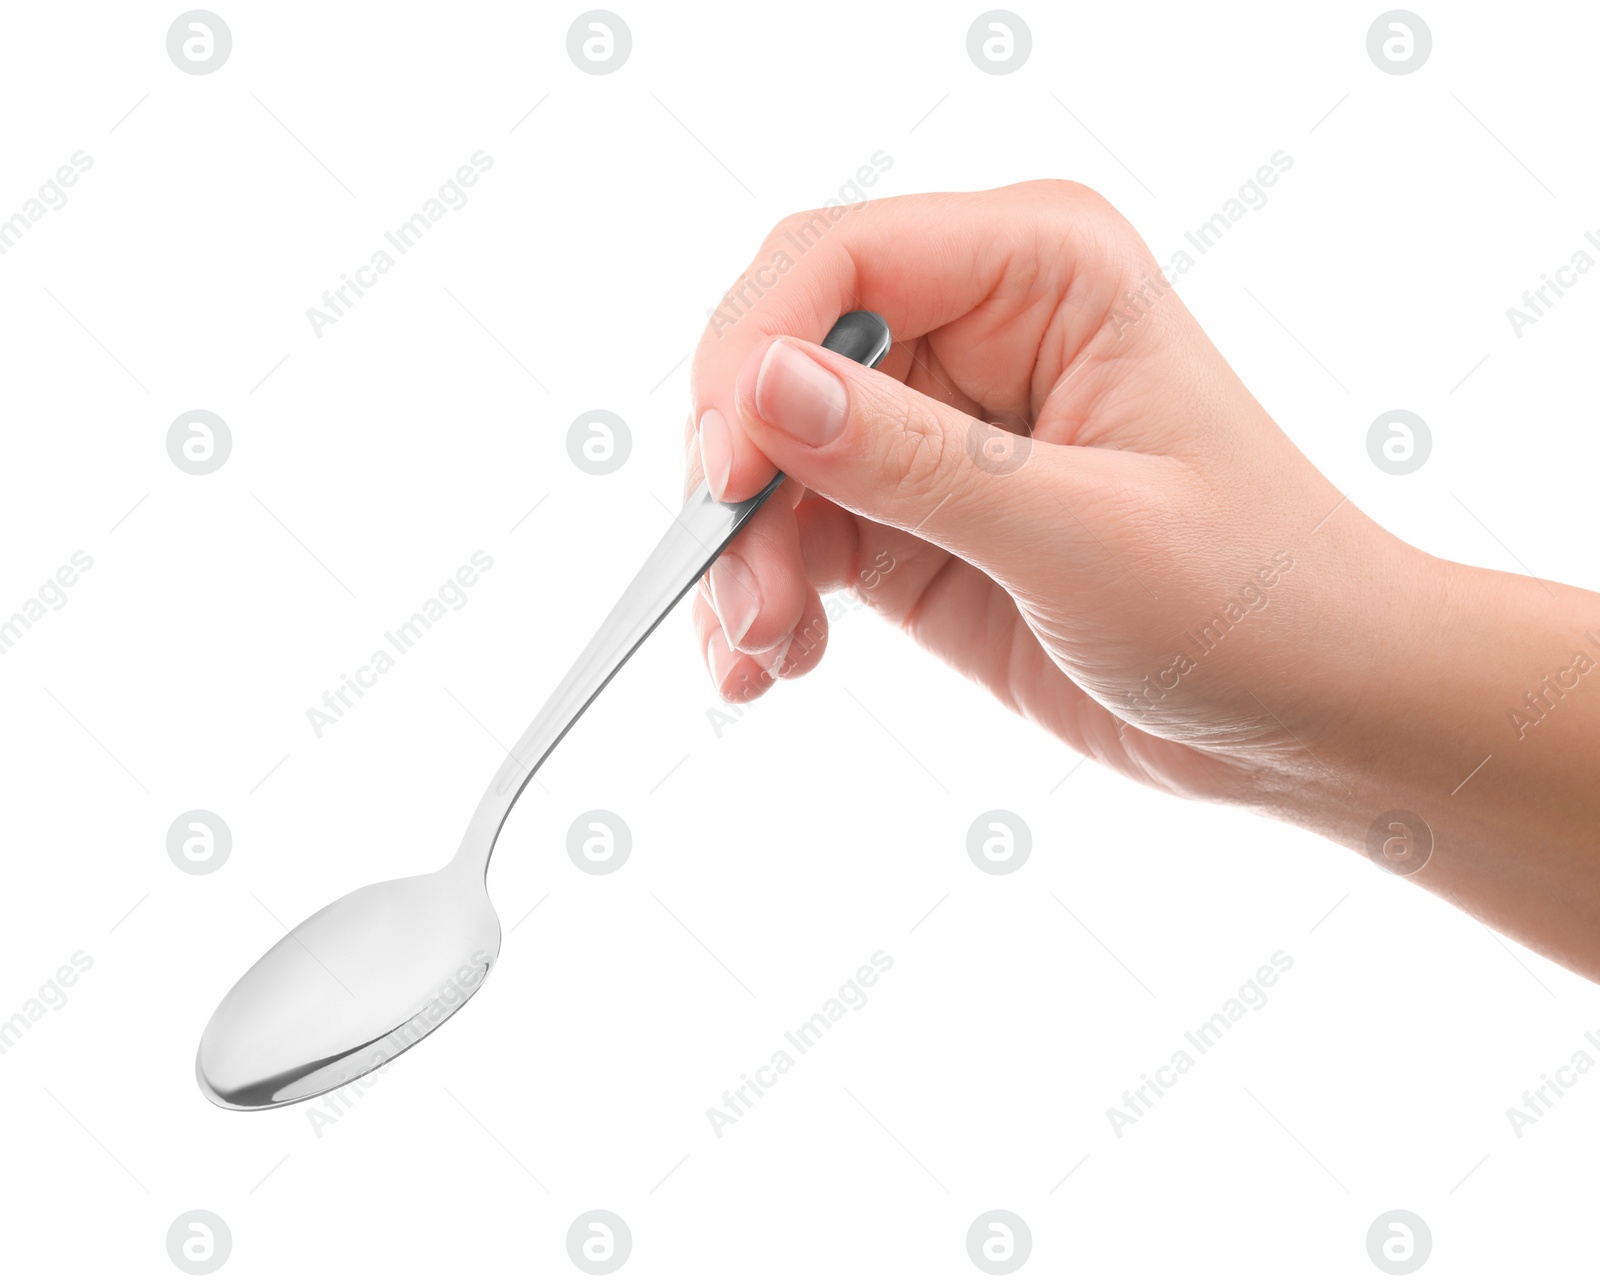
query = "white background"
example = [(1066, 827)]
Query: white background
[(425, 425)]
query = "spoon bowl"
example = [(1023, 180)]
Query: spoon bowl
[(349, 988)]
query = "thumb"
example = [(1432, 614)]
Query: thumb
[(886, 452)]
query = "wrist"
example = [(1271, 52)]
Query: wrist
[(1458, 697), (1356, 712)]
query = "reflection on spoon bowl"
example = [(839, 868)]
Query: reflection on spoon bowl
[(350, 988)]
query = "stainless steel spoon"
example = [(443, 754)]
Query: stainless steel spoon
[(370, 975)]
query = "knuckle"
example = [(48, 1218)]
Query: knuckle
[(1074, 199), (794, 228), (918, 454), (1080, 214)]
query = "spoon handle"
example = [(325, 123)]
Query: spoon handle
[(700, 532)]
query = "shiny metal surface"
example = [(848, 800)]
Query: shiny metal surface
[(372, 974), (348, 989)]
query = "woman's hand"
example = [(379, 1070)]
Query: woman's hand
[(1154, 573), (1139, 576)]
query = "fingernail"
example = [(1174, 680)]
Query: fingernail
[(716, 451), (805, 400), (735, 597)]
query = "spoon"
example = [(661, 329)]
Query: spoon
[(370, 975)]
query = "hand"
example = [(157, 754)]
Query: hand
[(1128, 577), (1155, 573)]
